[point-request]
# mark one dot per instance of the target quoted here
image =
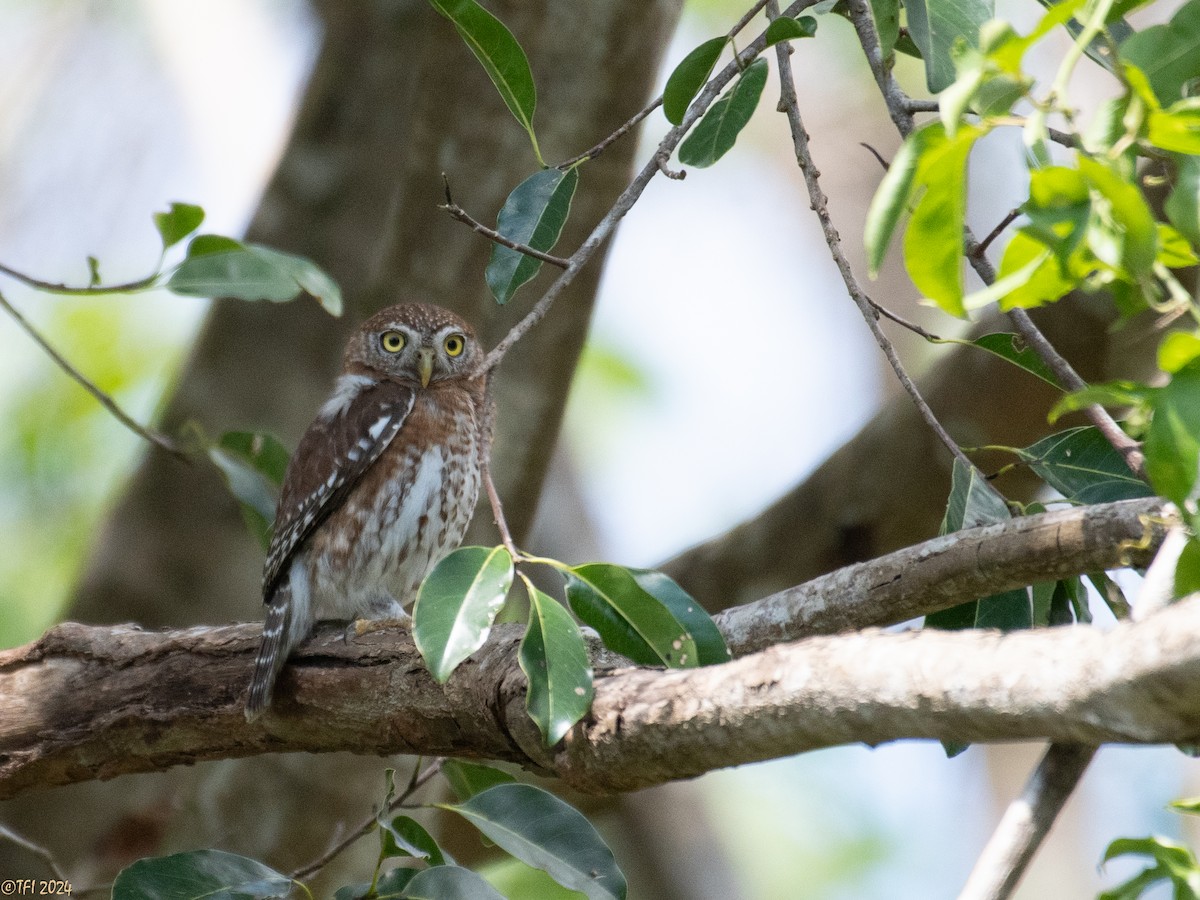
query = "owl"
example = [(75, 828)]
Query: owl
[(382, 485)]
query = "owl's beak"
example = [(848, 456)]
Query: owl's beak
[(425, 367)]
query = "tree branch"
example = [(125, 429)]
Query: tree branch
[(1026, 823), (159, 699)]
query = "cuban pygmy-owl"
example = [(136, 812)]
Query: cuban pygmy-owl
[(383, 483)]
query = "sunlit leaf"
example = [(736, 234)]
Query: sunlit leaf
[(541, 830), (177, 223), (1173, 441), (1178, 349), (717, 132), (458, 603), (468, 778), (1112, 393), (534, 214), (687, 78), (555, 661), (1183, 203), (199, 874)]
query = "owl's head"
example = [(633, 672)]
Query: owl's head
[(415, 342)]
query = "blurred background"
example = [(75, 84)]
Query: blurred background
[(724, 364)]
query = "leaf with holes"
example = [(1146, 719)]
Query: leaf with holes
[(534, 214), (710, 644), (541, 830), (630, 621), (717, 132), (1010, 347), (554, 658), (457, 604)]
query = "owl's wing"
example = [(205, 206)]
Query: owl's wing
[(332, 458)]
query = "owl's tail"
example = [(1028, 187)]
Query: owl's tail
[(272, 652)]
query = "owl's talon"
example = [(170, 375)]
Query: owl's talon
[(359, 627)]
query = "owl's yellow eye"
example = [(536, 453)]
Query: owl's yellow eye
[(454, 344), (392, 341)]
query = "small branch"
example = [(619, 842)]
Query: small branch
[(52, 287), (36, 849), (493, 495), (633, 192), (599, 148), (981, 248), (154, 437), (1026, 823), (921, 106), (905, 323), (457, 212), (875, 153), (820, 205), (898, 103), (417, 782), (663, 162)]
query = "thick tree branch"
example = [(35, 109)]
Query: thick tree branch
[(154, 700)]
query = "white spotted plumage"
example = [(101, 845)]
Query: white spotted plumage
[(383, 483)]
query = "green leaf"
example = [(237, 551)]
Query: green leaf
[(887, 24), (253, 464), (1178, 349), (554, 658), (1188, 805), (785, 29), (177, 223), (935, 25), (1136, 237), (630, 621), (1174, 252), (716, 133), (1112, 393), (1012, 348), (449, 883), (199, 874), (1187, 568), (891, 197), (468, 779), (686, 80), (456, 605), (94, 278), (1168, 54), (541, 830), (1183, 203), (1173, 441), (390, 886), (711, 649), (972, 501), (1173, 863), (1177, 128), (1082, 465), (1045, 284), (501, 56), (404, 836), (534, 214), (1112, 595), (221, 267)]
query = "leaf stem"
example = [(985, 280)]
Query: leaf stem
[(51, 287)]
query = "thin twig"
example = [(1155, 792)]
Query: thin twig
[(921, 106), (663, 162), (875, 153), (154, 437), (506, 537), (457, 212), (981, 248), (820, 205), (595, 151), (1026, 822), (53, 287), (633, 192), (36, 849), (905, 323), (368, 825)]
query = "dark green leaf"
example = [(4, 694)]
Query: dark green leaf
[(785, 29), (1112, 595), (1173, 441), (534, 215), (544, 832), (710, 644), (1012, 348), (253, 464), (716, 133), (501, 56), (1082, 465), (93, 271), (450, 883), (630, 621), (177, 223), (199, 874), (221, 267), (936, 24), (555, 661), (972, 501), (1183, 203), (686, 80), (1060, 606), (1168, 54), (468, 779), (1187, 568), (457, 603), (403, 836)]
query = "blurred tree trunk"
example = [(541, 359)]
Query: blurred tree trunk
[(395, 100)]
